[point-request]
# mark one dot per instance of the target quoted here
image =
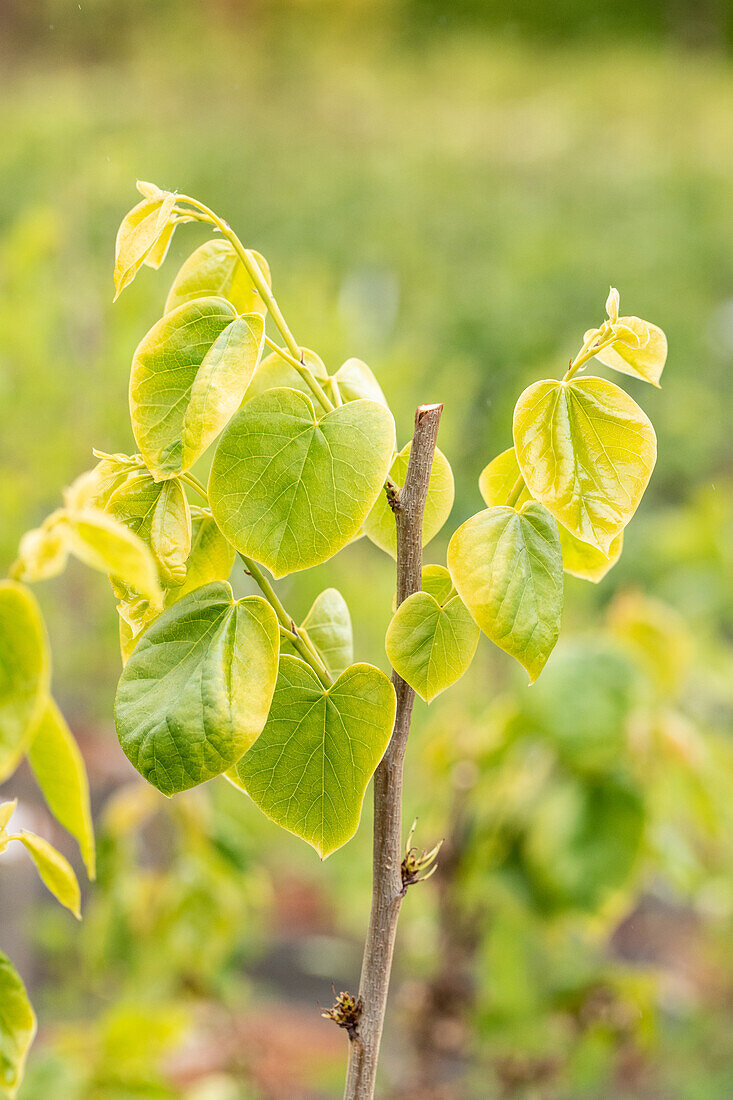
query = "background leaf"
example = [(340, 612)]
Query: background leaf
[(55, 871), (380, 524), (25, 672), (17, 1028), (328, 625), (310, 767)]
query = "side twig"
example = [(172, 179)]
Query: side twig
[(387, 885)]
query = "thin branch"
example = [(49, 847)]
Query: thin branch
[(387, 885)]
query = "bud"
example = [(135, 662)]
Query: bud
[(612, 305)]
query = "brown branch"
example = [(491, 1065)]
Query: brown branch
[(387, 884)]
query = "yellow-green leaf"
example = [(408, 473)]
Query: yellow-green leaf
[(215, 270), (586, 451), (309, 768), (25, 672), (17, 1029), (55, 871), (497, 482), (138, 234), (640, 351), (189, 375), (380, 523), (274, 372), (103, 543), (429, 644), (59, 769), (356, 380), (328, 626), (437, 582), (507, 569), (44, 551)]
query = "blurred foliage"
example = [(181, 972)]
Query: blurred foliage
[(445, 191)]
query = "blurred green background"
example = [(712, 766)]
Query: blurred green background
[(446, 191)]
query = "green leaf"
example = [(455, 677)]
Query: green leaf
[(103, 543), (328, 625), (431, 645), (507, 568), (17, 1028), (215, 271), (138, 234), (274, 372), (437, 582), (496, 482), (196, 690), (290, 489), (189, 375), (356, 380), (59, 769), (380, 524), (43, 552), (55, 871), (641, 350), (25, 672), (310, 767), (158, 513), (586, 451)]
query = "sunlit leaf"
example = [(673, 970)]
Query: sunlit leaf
[(310, 767), (380, 524), (438, 583), (60, 773), (17, 1028), (641, 350), (214, 270), (55, 871), (44, 551), (189, 375), (93, 488), (431, 645), (25, 672), (507, 569), (328, 625), (158, 513), (274, 372), (497, 481), (356, 380), (196, 690), (290, 489), (7, 809), (103, 543), (586, 451), (138, 234)]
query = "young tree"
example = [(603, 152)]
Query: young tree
[(304, 463)]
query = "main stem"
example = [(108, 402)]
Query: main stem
[(387, 886)]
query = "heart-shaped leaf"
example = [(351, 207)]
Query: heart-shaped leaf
[(580, 559), (507, 568), (196, 690), (310, 767), (189, 375), (429, 644), (328, 625), (586, 451), (17, 1028), (290, 489), (59, 769), (640, 351), (380, 524), (215, 270), (25, 672)]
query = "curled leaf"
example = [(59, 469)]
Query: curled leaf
[(139, 233)]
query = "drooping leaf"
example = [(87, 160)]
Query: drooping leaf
[(430, 645), (25, 672), (158, 513), (640, 351), (290, 489), (274, 373), (17, 1029), (310, 767), (103, 543), (356, 380), (43, 552), (55, 871), (196, 690), (586, 451), (59, 769), (189, 375), (507, 568), (380, 524), (328, 625), (215, 271), (496, 482), (138, 234)]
